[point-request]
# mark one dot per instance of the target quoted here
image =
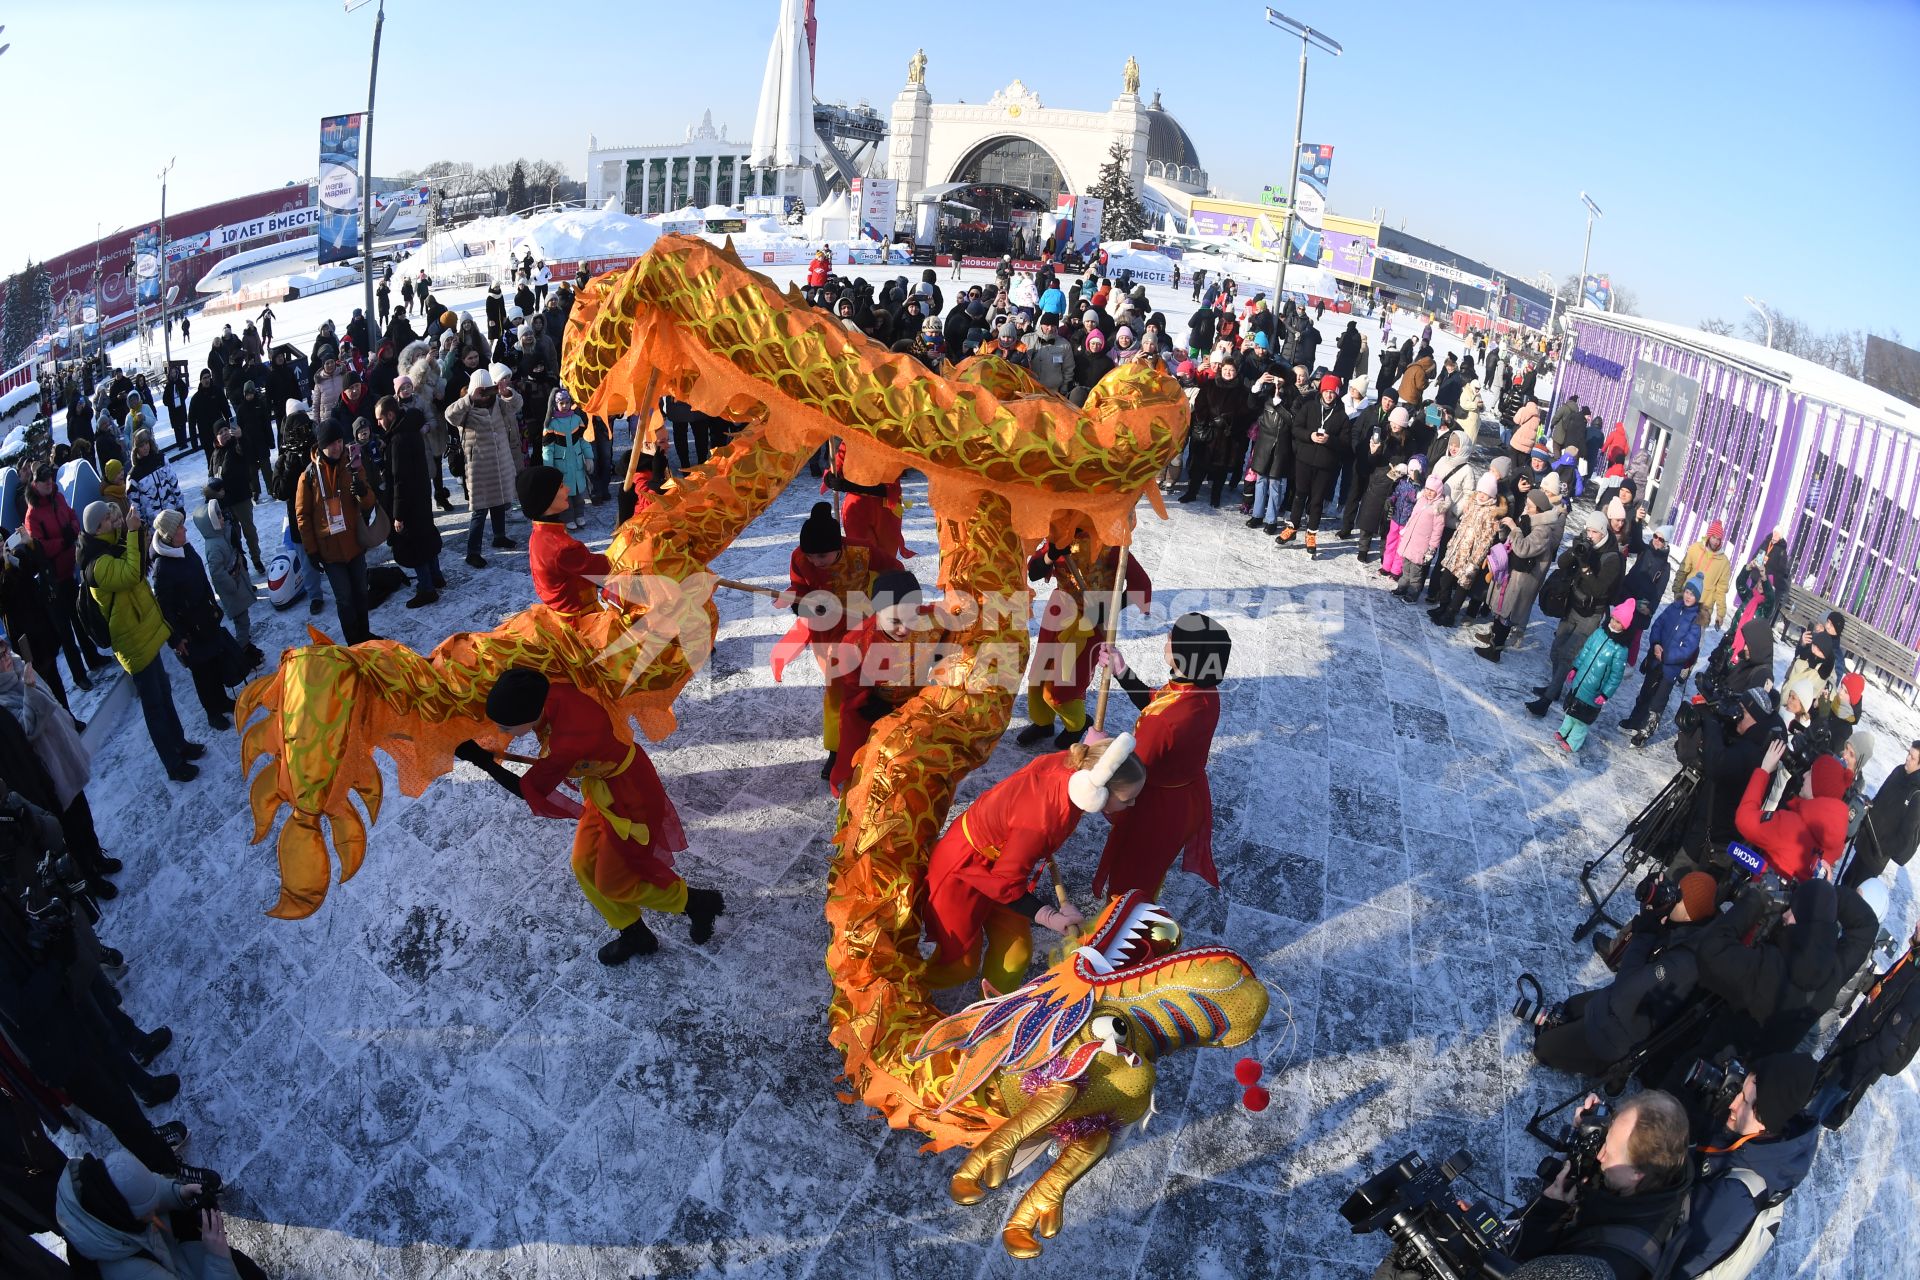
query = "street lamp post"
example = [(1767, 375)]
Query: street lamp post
[(166, 325), (1308, 36), (366, 180), (1766, 313), (1579, 285)]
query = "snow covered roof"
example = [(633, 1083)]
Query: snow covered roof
[(1796, 373)]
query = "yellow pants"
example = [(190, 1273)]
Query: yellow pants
[(831, 699), (622, 910), (1008, 951), (1045, 700)]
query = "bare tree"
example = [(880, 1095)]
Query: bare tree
[(1716, 326)]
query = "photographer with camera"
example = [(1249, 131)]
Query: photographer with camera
[(1723, 740), (1761, 1151), (1656, 980), (1807, 834), (1594, 565), (137, 1225), (1623, 1207), (1889, 831)]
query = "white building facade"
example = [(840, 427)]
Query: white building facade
[(706, 167)]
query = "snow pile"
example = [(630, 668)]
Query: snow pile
[(22, 394)]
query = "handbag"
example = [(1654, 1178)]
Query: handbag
[(374, 532)]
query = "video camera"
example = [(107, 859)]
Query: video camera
[(1776, 888), (1578, 1146), (1433, 1233)]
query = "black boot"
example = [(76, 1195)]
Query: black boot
[(1540, 705), (1496, 641), (634, 940), (704, 906), (1032, 734), (1366, 548), (826, 766), (1067, 737), (152, 1045)]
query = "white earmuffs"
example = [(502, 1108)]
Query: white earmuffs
[(1088, 787)]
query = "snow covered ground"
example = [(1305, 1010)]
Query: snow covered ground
[(434, 1077)]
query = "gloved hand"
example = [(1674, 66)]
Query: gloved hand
[(1599, 699)]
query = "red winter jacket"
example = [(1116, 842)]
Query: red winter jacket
[(1804, 831), (52, 524)]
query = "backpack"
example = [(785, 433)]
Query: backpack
[(92, 619), (1556, 593)]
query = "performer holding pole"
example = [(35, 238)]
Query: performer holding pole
[(1086, 598), (824, 574), (981, 905), (1174, 815), (628, 830), (567, 575), (877, 665)]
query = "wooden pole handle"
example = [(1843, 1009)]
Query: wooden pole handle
[(748, 586), (1114, 602), (643, 427)]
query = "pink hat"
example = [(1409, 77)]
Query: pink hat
[(1622, 614), (1489, 485), (1616, 510), (1435, 483)]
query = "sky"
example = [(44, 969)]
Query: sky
[(1735, 146)]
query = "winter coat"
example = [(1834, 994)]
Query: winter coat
[(1569, 430), (152, 487), (147, 1254), (224, 569), (1754, 666), (113, 570), (1715, 569), (1781, 975), (1596, 574), (1272, 453), (417, 540), (1373, 501), (488, 434), (1421, 534), (1456, 476), (1599, 668), (1348, 347), (1406, 496), (1880, 1039), (1654, 983), (186, 598), (568, 452), (1646, 583), (53, 525), (1228, 405), (1723, 1208), (321, 480), (1413, 383), (1469, 410), (1526, 428), (207, 410), (1327, 419), (1676, 633), (1472, 539)]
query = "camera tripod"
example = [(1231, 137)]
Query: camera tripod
[(1646, 842), (1690, 1021)]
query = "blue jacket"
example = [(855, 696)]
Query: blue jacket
[(1598, 669), (1677, 632), (1722, 1208)]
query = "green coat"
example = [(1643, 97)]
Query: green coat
[(117, 578)]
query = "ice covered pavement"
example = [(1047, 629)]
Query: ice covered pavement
[(433, 1076)]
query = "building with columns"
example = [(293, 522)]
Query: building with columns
[(1014, 139), (706, 167)]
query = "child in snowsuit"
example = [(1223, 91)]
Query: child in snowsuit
[(1596, 674), (1419, 538), (564, 447), (1406, 496)]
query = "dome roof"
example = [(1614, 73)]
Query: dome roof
[(1166, 140)]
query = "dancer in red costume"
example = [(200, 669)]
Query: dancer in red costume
[(982, 874), (1074, 618), (1174, 816), (879, 664), (628, 830), (566, 573), (825, 575)]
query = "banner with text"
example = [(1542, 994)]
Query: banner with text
[(878, 203), (1088, 213), (1316, 166), (1599, 291), (339, 187), (146, 267)]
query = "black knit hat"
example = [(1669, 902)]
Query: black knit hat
[(1201, 648), (896, 587), (1782, 1087), (537, 487), (330, 430), (821, 533), (518, 697)]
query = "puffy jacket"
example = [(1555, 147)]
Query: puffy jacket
[(1596, 574), (1676, 633), (1456, 476), (52, 524), (1723, 1207), (1715, 569), (1313, 416), (112, 569), (1657, 978), (1421, 533), (153, 488), (1413, 383), (1803, 831), (224, 569), (148, 1254), (1272, 453), (1598, 669), (1526, 428), (489, 435)]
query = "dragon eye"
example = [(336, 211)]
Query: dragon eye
[(1109, 1027)]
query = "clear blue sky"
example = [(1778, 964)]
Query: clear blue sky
[(1736, 147)]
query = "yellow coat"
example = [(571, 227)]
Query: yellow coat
[(1715, 569)]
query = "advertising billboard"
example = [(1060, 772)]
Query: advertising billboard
[(1088, 213), (339, 186), (146, 267), (1348, 254), (877, 201), (1316, 166), (1599, 291), (1235, 219)]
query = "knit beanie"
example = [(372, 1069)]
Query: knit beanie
[(112, 472), (1616, 510), (1329, 383), (95, 516), (1862, 741), (166, 524), (330, 430), (1700, 893), (821, 532), (1782, 1087), (1539, 500), (1398, 418), (1622, 614), (517, 698), (1697, 585), (1201, 648), (537, 487), (897, 587), (1489, 485), (1435, 484), (1856, 686), (1807, 689), (1831, 778), (1552, 483)]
